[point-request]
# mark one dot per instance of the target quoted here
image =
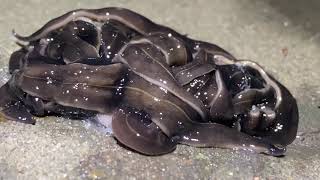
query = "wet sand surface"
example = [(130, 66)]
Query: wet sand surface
[(283, 36)]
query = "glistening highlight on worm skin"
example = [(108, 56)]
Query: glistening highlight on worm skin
[(160, 87)]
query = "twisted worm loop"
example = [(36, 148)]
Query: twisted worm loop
[(125, 16), (265, 76), (129, 18)]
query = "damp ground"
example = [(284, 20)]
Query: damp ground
[(283, 36)]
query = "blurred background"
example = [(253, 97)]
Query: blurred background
[(283, 36)]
